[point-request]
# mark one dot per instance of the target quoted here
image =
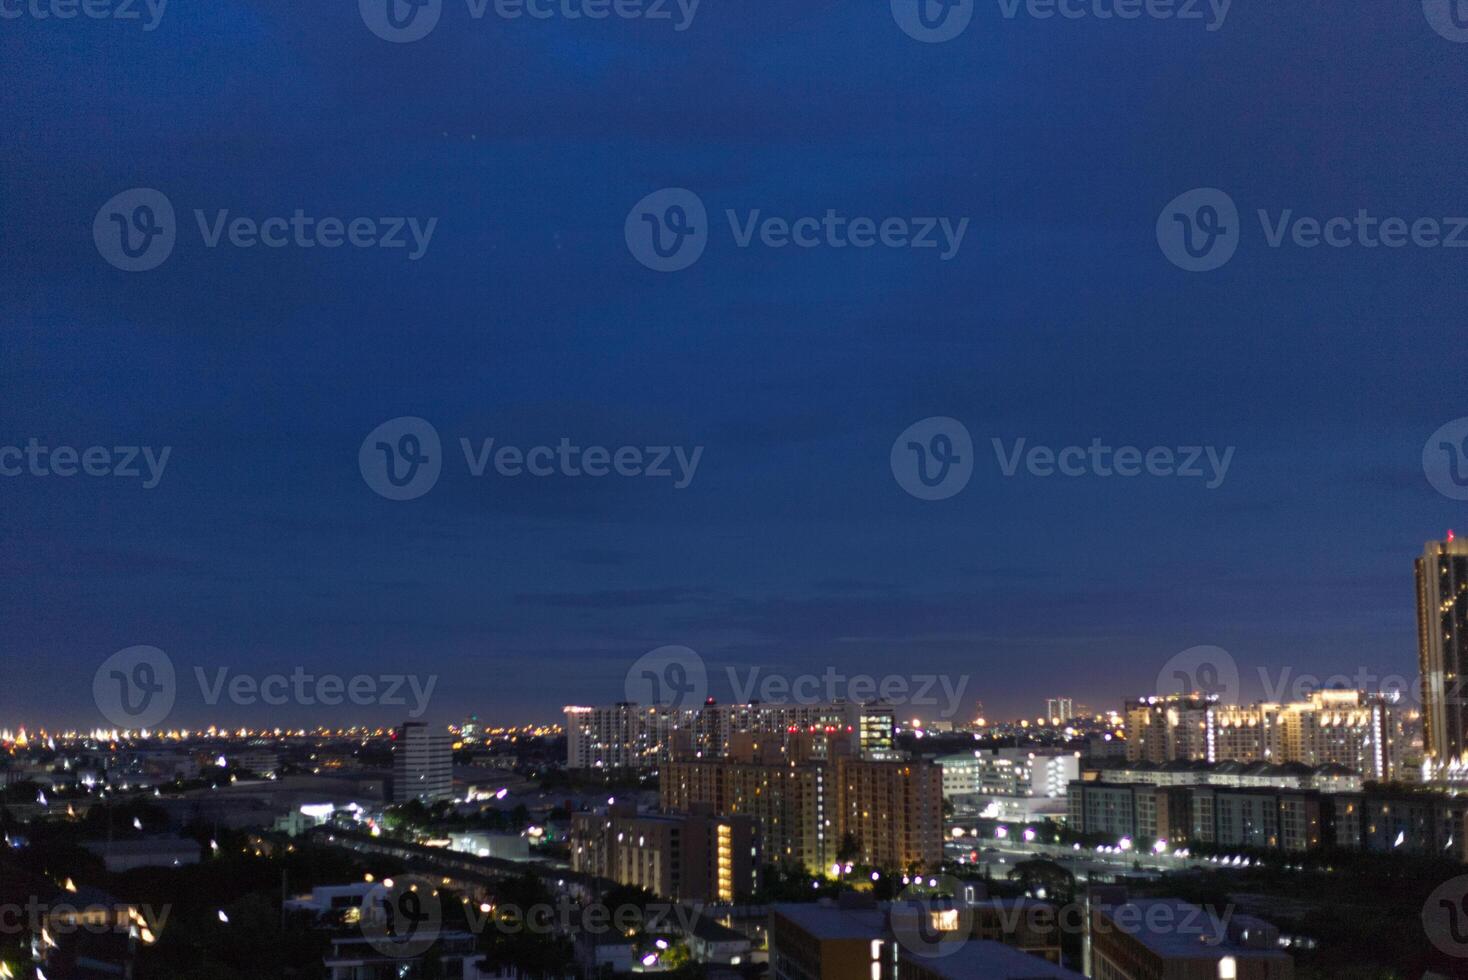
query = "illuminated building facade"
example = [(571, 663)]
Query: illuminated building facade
[(1345, 728), (694, 857), (1177, 726), (791, 804), (894, 810), (1022, 771), (631, 736), (626, 735), (1060, 709), (804, 806), (1442, 649)]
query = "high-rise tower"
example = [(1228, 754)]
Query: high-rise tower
[(1442, 649), (422, 764)]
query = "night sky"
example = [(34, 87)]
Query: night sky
[(528, 320)]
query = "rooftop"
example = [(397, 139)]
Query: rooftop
[(1231, 767), (1173, 928), (145, 846), (825, 921), (985, 960), (711, 931)]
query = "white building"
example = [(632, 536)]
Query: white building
[(1059, 709), (633, 736), (326, 899), (1021, 784), (1029, 772), (508, 847), (1329, 778), (625, 735), (422, 764)]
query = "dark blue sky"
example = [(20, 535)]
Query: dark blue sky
[(528, 320)]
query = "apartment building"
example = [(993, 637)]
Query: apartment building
[(1168, 939), (1023, 771), (632, 736), (1176, 726), (1344, 728), (1285, 819), (805, 804), (693, 857), (846, 940)]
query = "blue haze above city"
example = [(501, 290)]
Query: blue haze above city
[(792, 549)]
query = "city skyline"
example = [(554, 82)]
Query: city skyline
[(1283, 687), (1009, 696), (737, 490)]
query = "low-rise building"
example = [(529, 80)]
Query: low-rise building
[(1423, 824), (1328, 777), (714, 944), (823, 941), (89, 933), (979, 960), (1383, 821), (906, 941), (507, 847), (358, 957), (1290, 820), (1024, 771), (337, 903), (1168, 939), (152, 852)]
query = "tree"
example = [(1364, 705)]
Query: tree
[(1041, 877)]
